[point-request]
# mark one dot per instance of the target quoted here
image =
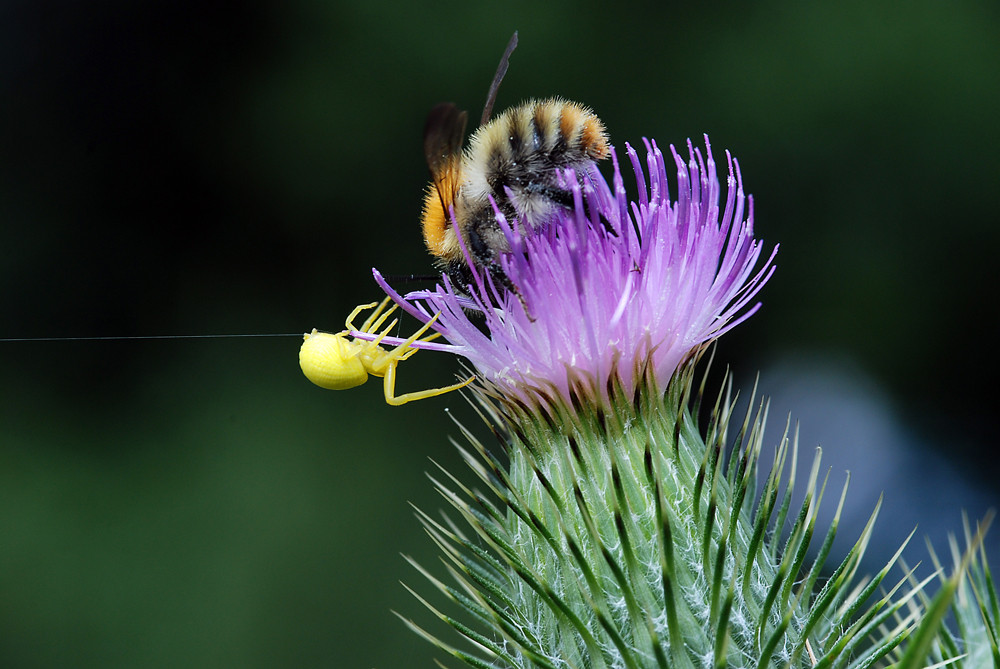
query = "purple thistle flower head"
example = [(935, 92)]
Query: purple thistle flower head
[(612, 293)]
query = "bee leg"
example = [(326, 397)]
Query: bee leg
[(484, 255), (496, 271), (459, 274), (564, 198)]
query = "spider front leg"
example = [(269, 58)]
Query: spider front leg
[(389, 387), (387, 369), (375, 320)]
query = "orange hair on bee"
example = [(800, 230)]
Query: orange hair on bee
[(436, 220)]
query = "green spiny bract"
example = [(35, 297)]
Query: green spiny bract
[(623, 538), (969, 597)]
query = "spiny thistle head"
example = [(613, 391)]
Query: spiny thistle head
[(637, 543), (611, 294), (613, 533)]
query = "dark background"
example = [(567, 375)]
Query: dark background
[(194, 168)]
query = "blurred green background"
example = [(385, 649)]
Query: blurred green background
[(197, 168)]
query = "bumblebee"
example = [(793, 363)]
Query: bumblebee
[(516, 159)]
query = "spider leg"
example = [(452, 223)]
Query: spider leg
[(389, 388), (383, 333), (416, 335), (405, 350), (376, 320), (354, 314)]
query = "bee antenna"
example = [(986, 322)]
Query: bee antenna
[(411, 278), (498, 77)]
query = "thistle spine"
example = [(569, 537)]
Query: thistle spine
[(623, 539)]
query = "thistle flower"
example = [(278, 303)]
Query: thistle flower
[(612, 532), (612, 294)]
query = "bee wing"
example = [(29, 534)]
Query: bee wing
[(444, 133)]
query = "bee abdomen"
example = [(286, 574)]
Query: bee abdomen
[(561, 133), (513, 163), (531, 139)]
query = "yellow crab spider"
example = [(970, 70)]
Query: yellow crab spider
[(337, 362)]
